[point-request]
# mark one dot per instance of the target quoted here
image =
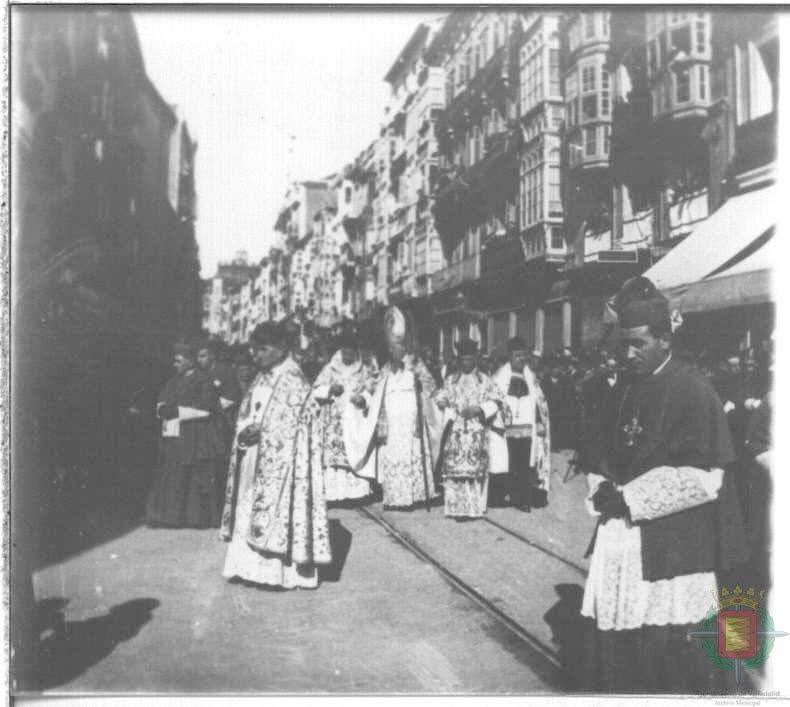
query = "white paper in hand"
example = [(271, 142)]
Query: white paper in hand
[(188, 413)]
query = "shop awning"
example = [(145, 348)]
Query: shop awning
[(748, 282), (719, 240)]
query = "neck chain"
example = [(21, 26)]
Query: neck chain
[(633, 429)]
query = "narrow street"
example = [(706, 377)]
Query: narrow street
[(413, 602), (444, 241)]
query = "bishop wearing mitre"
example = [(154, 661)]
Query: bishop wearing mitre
[(394, 437)]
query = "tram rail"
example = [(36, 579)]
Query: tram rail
[(546, 655)]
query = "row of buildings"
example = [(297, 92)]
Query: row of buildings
[(528, 163), (105, 258)]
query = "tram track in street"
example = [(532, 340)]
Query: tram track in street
[(537, 546), (547, 657)]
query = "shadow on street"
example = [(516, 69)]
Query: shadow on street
[(340, 542), (568, 630), (69, 648)]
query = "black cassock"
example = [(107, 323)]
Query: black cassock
[(671, 419), (227, 386), (184, 493)]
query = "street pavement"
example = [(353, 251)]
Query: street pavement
[(148, 610)]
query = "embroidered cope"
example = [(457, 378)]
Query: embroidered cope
[(356, 379), (275, 502), (466, 447), (389, 443)]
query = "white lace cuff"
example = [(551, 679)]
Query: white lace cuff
[(666, 490)]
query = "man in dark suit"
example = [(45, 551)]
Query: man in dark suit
[(226, 384)]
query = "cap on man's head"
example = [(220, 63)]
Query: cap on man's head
[(466, 347), (292, 332), (516, 344), (184, 349), (270, 334), (207, 345), (639, 303), (347, 337), (242, 357), (368, 336)]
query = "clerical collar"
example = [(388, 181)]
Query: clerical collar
[(663, 365)]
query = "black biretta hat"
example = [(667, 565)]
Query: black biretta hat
[(270, 334), (516, 344), (639, 303), (466, 347), (347, 337)]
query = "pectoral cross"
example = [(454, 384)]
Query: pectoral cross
[(632, 431)]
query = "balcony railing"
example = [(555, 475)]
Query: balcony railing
[(453, 275)]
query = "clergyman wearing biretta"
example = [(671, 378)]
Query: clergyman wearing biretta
[(668, 519)]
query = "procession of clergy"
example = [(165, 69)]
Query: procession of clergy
[(667, 515)]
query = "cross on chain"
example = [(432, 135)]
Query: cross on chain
[(632, 431)]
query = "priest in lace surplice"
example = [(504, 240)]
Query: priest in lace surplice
[(522, 470), (470, 401), (274, 519), (668, 516), (345, 380)]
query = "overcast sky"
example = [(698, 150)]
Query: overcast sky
[(246, 81)]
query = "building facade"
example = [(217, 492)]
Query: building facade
[(104, 237), (231, 299), (528, 163), (476, 199)]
